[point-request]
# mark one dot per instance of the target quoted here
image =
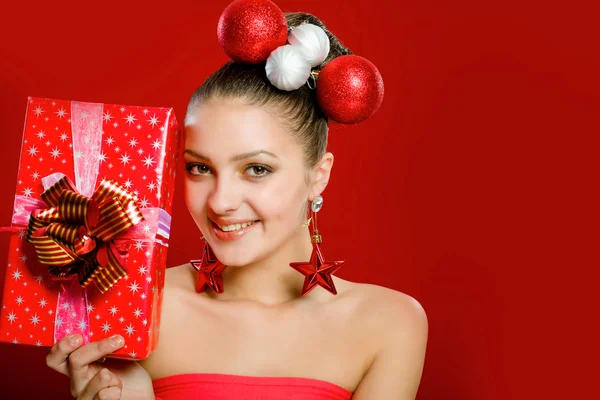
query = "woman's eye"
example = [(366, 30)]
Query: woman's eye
[(197, 169), (258, 170)]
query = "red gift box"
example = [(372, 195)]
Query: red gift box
[(104, 272)]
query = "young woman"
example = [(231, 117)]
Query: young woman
[(255, 160)]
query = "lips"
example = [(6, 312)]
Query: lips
[(234, 234)]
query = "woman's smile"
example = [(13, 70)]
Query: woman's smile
[(228, 230)]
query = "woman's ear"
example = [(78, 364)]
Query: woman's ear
[(321, 173)]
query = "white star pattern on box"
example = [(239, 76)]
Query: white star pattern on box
[(148, 161), (129, 330), (61, 113), (12, 317), (125, 159), (125, 156), (134, 287), (153, 120), (106, 327), (130, 119), (55, 153), (35, 320)]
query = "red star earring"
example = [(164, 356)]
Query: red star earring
[(317, 271), (209, 271)]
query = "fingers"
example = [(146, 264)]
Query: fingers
[(80, 359), (104, 385), (111, 393), (59, 353)]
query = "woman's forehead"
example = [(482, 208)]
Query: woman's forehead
[(235, 127)]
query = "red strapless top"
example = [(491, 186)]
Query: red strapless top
[(236, 387)]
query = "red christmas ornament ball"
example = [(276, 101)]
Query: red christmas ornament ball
[(349, 89), (249, 30)]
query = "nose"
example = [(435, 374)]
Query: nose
[(225, 196)]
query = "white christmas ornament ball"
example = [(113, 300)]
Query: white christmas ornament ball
[(287, 68), (312, 40)]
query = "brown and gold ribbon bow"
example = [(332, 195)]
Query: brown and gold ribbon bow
[(75, 235)]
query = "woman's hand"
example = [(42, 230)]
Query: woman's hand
[(91, 380)]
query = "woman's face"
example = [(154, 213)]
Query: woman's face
[(246, 180)]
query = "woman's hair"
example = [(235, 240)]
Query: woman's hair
[(297, 109)]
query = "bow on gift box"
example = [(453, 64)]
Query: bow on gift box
[(76, 234)]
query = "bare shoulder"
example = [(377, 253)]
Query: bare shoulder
[(179, 276), (390, 309), (397, 323), (178, 282)]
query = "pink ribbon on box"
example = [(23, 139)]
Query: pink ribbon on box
[(86, 124)]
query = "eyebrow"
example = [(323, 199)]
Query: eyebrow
[(238, 157)]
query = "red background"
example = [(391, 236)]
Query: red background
[(472, 189)]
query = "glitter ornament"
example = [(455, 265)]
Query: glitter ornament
[(312, 40), (349, 89), (287, 68), (249, 30)]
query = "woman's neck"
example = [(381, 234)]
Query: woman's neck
[(270, 281)]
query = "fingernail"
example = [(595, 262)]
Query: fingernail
[(117, 341), (74, 340)]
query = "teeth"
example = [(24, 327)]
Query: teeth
[(235, 227)]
